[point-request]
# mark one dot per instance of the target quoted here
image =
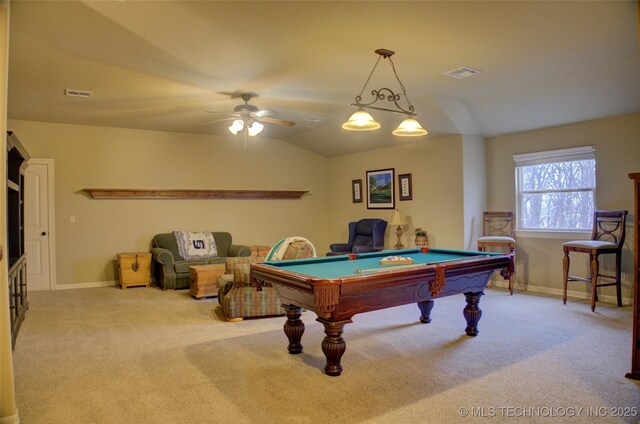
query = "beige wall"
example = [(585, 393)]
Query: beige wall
[(100, 157), (475, 188), (448, 175), (437, 205), (617, 149), (8, 409)]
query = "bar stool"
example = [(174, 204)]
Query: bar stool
[(607, 237), (497, 231)]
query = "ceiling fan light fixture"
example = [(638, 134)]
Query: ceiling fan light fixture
[(409, 128), (255, 128), (236, 126), (361, 120), (248, 120)]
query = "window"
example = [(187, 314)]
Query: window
[(555, 189)]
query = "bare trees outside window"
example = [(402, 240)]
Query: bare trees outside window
[(556, 194)]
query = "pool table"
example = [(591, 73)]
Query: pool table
[(338, 287)]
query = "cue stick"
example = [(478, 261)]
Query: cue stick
[(387, 268)]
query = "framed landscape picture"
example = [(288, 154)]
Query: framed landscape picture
[(356, 191), (404, 187), (380, 189)]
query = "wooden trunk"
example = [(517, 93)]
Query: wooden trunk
[(204, 279), (134, 269)]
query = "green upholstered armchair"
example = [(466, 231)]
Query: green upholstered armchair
[(240, 299), (172, 270)]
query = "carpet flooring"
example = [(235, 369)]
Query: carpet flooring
[(143, 355)]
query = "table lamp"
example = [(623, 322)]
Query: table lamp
[(398, 220)]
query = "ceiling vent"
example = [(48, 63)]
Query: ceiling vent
[(77, 93), (463, 72)]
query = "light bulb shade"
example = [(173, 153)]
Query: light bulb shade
[(361, 120), (255, 128), (236, 126), (409, 128)]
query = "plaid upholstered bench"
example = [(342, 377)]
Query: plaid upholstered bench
[(240, 299)]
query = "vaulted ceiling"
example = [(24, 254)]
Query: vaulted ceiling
[(163, 65)]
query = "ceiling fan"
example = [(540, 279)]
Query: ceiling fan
[(249, 119)]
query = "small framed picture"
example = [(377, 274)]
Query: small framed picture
[(356, 191), (380, 190), (404, 185)]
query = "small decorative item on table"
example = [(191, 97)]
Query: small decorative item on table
[(204, 279), (395, 260), (134, 269), (422, 240)]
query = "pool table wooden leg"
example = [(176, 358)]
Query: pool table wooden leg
[(472, 313), (333, 346), (425, 309), (294, 328)]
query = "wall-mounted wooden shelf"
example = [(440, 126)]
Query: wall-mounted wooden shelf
[(125, 193)]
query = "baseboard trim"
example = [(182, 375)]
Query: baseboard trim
[(86, 286), (494, 283), (571, 294), (13, 419)]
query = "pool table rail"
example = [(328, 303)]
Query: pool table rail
[(337, 298)]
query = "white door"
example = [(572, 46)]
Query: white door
[(38, 231)]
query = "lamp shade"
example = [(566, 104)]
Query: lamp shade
[(361, 120), (409, 128), (397, 219), (236, 126)]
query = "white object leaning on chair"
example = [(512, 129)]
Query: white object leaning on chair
[(497, 231)]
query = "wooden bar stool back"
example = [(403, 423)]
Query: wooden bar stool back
[(498, 232), (607, 237)]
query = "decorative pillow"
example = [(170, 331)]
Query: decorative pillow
[(241, 274), (298, 250), (233, 262)]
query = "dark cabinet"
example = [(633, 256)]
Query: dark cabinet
[(17, 157), (635, 343)]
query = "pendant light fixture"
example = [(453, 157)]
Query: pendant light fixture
[(361, 120), (409, 128)]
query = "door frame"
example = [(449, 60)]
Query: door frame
[(51, 219)]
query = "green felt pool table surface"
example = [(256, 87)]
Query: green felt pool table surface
[(333, 267)]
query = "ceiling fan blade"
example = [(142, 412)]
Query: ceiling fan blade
[(237, 94), (217, 120), (277, 121), (221, 113), (264, 112)]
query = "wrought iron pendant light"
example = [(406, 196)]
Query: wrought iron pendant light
[(361, 120)]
